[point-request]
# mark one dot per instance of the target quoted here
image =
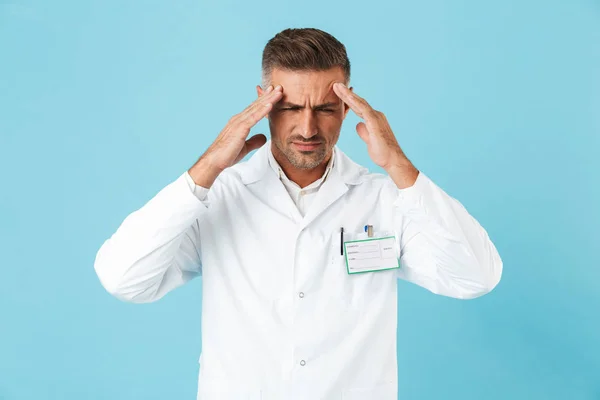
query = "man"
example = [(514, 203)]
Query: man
[(293, 306)]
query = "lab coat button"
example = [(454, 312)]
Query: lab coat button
[(301, 294), (303, 363)]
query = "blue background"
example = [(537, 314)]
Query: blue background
[(104, 103)]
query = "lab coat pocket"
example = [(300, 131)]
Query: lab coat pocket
[(386, 391), (361, 289)]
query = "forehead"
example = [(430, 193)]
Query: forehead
[(303, 84)]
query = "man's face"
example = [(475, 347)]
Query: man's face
[(305, 124)]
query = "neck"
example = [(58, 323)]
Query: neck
[(302, 177)]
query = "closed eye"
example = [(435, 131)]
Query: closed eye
[(326, 110)]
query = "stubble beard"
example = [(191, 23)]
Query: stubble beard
[(302, 159)]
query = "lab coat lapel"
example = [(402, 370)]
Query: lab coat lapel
[(269, 187), (266, 184), (344, 174), (332, 189), (276, 196)]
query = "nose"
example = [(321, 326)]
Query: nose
[(308, 124)]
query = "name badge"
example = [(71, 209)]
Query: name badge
[(371, 254)]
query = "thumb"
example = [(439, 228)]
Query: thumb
[(362, 131), (255, 142)]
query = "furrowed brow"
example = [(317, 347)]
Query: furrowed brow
[(287, 104), (326, 105)]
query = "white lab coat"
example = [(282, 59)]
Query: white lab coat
[(281, 316)]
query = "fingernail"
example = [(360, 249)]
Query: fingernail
[(278, 87), (269, 88), (341, 84)]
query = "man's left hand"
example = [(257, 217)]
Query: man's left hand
[(376, 132)]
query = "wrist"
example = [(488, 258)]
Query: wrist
[(204, 173), (403, 173)]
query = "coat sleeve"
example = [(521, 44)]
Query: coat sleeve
[(156, 248), (442, 247)]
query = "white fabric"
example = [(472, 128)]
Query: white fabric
[(281, 317), (302, 197)]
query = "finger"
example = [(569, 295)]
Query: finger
[(356, 103), (255, 142), (252, 106), (260, 110), (350, 98), (265, 92), (270, 97), (266, 97), (362, 131), (259, 113)]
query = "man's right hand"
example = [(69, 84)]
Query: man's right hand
[(231, 145)]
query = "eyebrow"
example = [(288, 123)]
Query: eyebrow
[(287, 104)]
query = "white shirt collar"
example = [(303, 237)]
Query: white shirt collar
[(258, 165)]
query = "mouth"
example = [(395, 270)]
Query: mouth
[(307, 146)]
